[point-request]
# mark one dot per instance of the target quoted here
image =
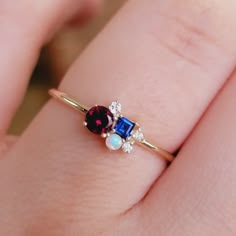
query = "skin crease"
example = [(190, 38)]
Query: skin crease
[(58, 179)]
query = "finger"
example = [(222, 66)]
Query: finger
[(179, 102), (173, 82), (6, 144), (24, 28), (90, 8), (200, 186)]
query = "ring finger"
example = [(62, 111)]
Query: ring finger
[(156, 58)]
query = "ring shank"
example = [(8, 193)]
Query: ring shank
[(168, 156), (63, 97)]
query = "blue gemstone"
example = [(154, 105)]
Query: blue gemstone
[(124, 127)]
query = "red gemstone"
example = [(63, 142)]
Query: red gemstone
[(99, 120)]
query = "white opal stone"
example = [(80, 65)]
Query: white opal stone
[(114, 142)]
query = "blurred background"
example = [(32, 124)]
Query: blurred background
[(54, 61)]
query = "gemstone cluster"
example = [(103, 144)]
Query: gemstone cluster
[(119, 131)]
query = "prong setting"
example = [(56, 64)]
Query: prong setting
[(122, 127), (138, 135), (122, 132), (105, 135), (115, 108), (101, 120)]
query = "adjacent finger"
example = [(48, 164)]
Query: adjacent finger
[(165, 71), (24, 27), (197, 196)]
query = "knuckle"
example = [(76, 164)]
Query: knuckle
[(190, 31)]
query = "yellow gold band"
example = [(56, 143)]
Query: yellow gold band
[(140, 140)]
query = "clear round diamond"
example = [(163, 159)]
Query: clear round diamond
[(127, 147), (138, 135), (115, 108)]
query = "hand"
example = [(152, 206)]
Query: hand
[(165, 61)]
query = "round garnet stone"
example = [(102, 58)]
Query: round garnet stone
[(99, 120)]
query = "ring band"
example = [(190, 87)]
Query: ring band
[(119, 131)]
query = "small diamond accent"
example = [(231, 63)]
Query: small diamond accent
[(127, 147), (115, 108), (138, 135)]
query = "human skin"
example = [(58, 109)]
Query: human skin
[(171, 64)]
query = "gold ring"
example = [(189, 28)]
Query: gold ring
[(119, 131)]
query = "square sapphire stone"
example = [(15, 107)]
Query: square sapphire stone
[(124, 127)]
